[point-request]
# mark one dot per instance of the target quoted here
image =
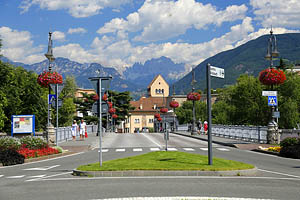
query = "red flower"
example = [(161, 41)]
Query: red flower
[(104, 97), (114, 116), (272, 76), (95, 97), (46, 78), (109, 104), (174, 104), (193, 96), (157, 115), (164, 110), (159, 119), (112, 110)]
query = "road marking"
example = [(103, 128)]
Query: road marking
[(38, 176), (172, 149), (21, 176), (204, 149), (103, 150), (41, 168), (188, 149), (155, 149), (279, 173), (223, 149), (138, 149), (1, 176), (44, 178), (152, 141), (120, 150)]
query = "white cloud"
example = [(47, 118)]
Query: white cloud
[(76, 8), (77, 30), (277, 12), (58, 36), (18, 46), (159, 19)]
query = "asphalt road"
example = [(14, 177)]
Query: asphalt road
[(277, 178)]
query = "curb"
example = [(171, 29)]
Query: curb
[(148, 173)]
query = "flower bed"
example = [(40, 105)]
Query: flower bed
[(33, 153)]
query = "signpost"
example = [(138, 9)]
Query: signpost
[(269, 93), (101, 84), (219, 73), (272, 100)]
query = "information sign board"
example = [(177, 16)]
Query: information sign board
[(217, 72), (22, 124), (269, 93)]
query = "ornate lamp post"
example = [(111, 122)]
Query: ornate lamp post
[(193, 132)]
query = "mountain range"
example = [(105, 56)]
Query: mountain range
[(247, 58)]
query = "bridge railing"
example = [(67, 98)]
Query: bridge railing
[(65, 133)]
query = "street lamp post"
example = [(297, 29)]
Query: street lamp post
[(272, 53), (193, 132), (50, 57)]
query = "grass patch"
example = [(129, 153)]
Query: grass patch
[(162, 160)]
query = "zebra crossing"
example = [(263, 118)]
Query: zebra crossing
[(189, 149)]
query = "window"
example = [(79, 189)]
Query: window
[(156, 91), (162, 90), (137, 121), (150, 120)]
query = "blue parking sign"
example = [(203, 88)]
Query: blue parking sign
[(272, 100)]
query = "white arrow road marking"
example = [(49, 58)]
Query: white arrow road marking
[(44, 178), (138, 149), (21, 176), (41, 168), (155, 149), (189, 149), (38, 176), (204, 149)]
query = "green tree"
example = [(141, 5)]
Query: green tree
[(185, 112)]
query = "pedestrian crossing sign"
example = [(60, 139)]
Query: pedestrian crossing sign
[(272, 100)]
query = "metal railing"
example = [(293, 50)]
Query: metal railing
[(65, 133)]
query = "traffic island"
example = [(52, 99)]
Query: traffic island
[(162, 163)]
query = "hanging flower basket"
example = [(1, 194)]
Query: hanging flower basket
[(164, 110), (272, 76), (174, 104), (109, 104), (104, 97), (157, 115), (114, 116), (193, 96), (112, 110), (46, 78), (95, 97), (159, 119)]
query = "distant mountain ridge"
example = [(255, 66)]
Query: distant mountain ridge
[(247, 58), (135, 78)]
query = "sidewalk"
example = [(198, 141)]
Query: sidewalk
[(245, 145)]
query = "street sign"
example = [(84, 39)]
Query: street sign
[(276, 114), (272, 100), (104, 108), (217, 72), (269, 93), (60, 102), (51, 98), (60, 87)]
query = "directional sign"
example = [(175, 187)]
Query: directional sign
[(104, 108), (272, 100), (217, 72), (59, 88), (60, 102), (276, 114), (269, 93), (51, 98)]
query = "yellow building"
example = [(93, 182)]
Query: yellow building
[(142, 117)]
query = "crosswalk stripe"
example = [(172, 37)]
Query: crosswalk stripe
[(172, 149), (120, 150), (223, 149), (154, 149), (1, 176), (204, 149), (188, 149), (103, 150), (139, 149), (38, 176), (21, 176)]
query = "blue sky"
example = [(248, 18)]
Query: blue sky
[(119, 33)]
